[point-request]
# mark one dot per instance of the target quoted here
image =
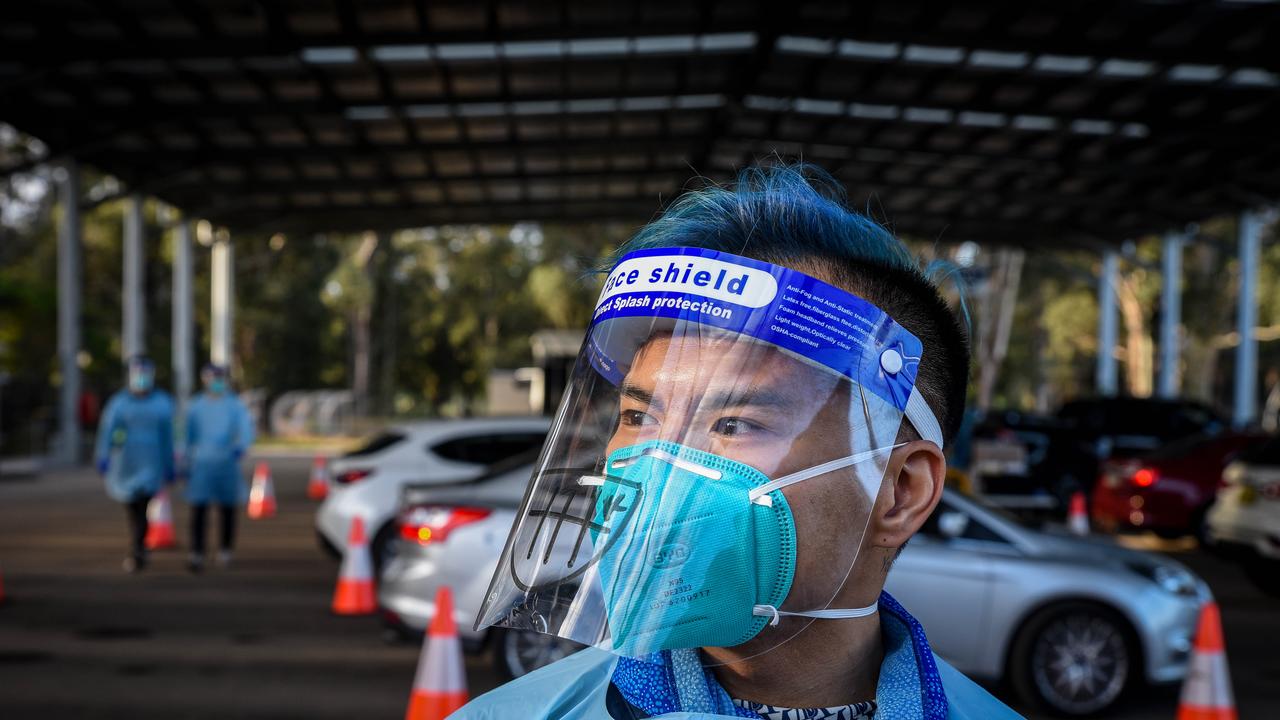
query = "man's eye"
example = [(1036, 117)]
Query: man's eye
[(733, 426), (636, 418)]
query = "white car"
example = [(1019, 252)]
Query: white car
[(454, 536), (366, 482), (1070, 621), (1245, 518)]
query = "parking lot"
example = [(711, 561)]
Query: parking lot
[(79, 638)]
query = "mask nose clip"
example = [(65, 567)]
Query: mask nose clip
[(670, 459)]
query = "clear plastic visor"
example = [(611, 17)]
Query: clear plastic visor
[(640, 530)]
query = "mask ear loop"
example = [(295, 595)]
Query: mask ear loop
[(760, 495), (774, 614)]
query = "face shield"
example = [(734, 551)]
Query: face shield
[(712, 469)]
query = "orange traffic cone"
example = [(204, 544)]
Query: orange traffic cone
[(1078, 516), (354, 594), (440, 685), (1206, 693), (318, 485), (160, 522), (262, 496)]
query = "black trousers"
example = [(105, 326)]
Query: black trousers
[(199, 513), (136, 510)]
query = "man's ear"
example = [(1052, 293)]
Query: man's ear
[(916, 472)]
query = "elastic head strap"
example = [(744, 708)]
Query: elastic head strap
[(923, 419)]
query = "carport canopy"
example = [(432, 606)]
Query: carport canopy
[(1005, 121)]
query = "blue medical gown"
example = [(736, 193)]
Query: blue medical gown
[(135, 436), (219, 431)]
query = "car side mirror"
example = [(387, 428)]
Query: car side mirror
[(952, 524)]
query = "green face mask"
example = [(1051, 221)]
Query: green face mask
[(686, 557), (698, 550)]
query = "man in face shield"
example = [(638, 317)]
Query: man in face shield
[(767, 455)]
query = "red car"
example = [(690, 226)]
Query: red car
[(1169, 490)]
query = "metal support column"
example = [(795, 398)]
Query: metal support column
[(135, 318), (69, 272), (183, 354), (222, 292), (1245, 405), (1170, 315), (1107, 324)]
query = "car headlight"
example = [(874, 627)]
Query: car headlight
[(1172, 579)]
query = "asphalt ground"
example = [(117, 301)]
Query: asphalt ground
[(81, 639)]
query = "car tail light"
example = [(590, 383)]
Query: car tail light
[(347, 477), (426, 524), (1144, 477)]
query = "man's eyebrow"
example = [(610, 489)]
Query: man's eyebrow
[(748, 397), (639, 394)]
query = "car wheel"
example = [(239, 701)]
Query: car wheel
[(1073, 659), (1264, 574), (520, 652)]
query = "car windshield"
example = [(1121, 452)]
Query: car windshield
[(1182, 448), (1030, 521), (376, 443)]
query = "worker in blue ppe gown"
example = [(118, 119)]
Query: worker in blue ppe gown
[(219, 431), (134, 451), (754, 429)]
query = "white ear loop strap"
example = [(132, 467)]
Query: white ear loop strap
[(760, 495), (917, 413), (774, 613)]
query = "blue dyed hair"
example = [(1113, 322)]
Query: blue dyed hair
[(796, 216)]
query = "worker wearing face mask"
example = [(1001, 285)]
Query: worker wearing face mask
[(219, 432), (754, 429), (134, 451)]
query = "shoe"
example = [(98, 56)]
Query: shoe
[(131, 565), (224, 559), (195, 564)]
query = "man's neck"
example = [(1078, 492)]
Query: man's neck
[(828, 664)]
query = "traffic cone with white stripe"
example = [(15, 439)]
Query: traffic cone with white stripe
[(160, 523), (1206, 693), (1078, 516), (262, 496), (354, 593), (440, 685), (318, 485)]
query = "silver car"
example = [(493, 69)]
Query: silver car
[(452, 535), (1069, 622)]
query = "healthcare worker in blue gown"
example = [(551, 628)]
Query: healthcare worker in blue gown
[(219, 431), (134, 451)]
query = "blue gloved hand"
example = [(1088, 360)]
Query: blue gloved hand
[(237, 454), (103, 464)]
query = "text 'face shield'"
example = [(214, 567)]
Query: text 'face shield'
[(716, 457)]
